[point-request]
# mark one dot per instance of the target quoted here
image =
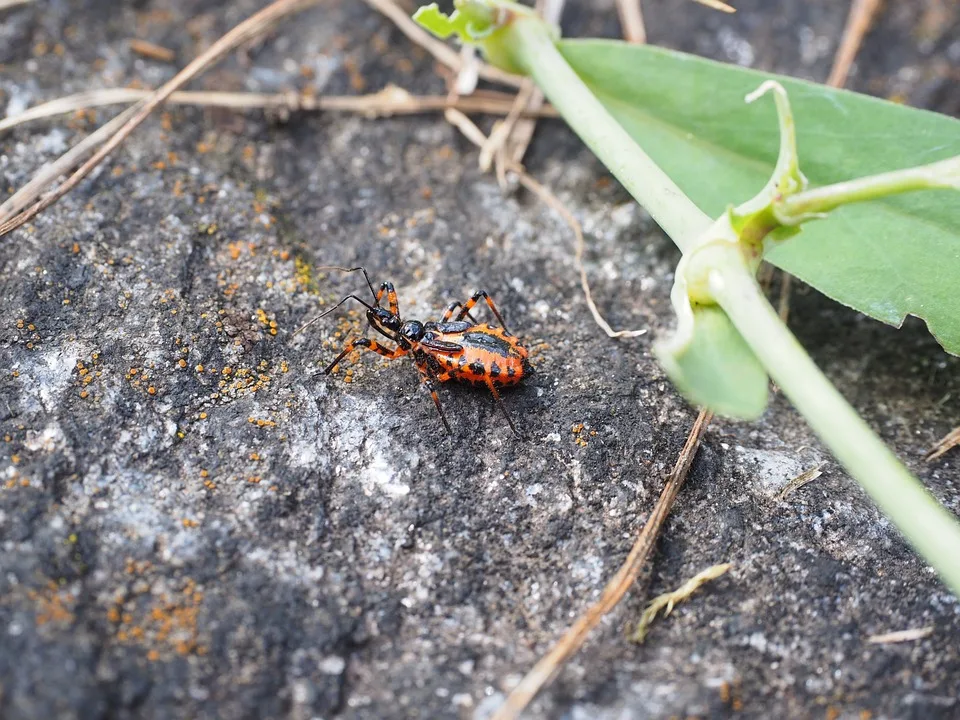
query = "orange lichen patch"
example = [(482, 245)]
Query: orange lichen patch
[(165, 625), (578, 434), (152, 390), (53, 604), (254, 479), (202, 416), (189, 523), (235, 250), (199, 368), (255, 456), (357, 81), (261, 423)]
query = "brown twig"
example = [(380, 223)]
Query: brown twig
[(392, 100), (783, 304), (515, 144), (948, 441), (576, 636), (440, 50), (152, 50), (475, 135), (554, 203), (717, 5), (861, 17), (245, 31), (51, 171), (631, 21)]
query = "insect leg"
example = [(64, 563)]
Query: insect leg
[(428, 379), (448, 313), (390, 354), (503, 409), (477, 296), (391, 293)]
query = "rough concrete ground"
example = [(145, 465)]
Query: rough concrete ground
[(194, 524)]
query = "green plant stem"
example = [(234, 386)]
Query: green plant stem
[(533, 49), (943, 174), (931, 529)]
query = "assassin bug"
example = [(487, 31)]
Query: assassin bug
[(451, 349)]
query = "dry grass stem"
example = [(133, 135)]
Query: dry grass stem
[(807, 476), (51, 171), (576, 636), (245, 31), (717, 5), (392, 100), (900, 636), (631, 21), (948, 441), (783, 304), (668, 601), (861, 17), (475, 135), (554, 203)]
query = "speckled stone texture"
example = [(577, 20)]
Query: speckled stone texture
[(194, 524)]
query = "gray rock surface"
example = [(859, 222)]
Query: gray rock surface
[(194, 524)]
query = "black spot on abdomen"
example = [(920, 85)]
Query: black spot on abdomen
[(477, 368)]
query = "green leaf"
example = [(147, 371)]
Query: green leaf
[(716, 368), (886, 258), (431, 18)]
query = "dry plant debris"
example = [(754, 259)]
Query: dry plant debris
[(900, 636), (551, 663), (947, 442), (668, 601)]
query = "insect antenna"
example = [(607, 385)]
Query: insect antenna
[(327, 312), (350, 270)]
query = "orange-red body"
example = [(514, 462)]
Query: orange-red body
[(450, 349), (487, 355)]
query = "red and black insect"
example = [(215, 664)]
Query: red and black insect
[(451, 349)]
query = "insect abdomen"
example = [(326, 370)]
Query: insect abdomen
[(488, 354)]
